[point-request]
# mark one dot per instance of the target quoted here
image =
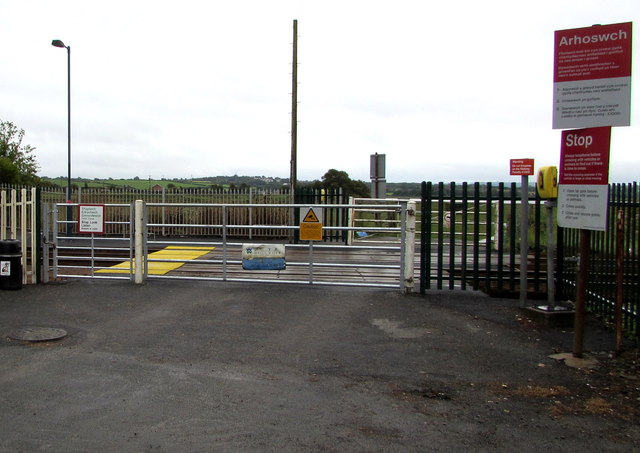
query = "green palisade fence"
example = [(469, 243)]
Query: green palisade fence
[(471, 239)]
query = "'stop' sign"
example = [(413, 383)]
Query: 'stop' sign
[(592, 76), (584, 156)]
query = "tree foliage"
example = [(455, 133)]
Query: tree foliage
[(17, 163), (336, 179)]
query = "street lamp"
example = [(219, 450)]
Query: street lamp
[(58, 43)]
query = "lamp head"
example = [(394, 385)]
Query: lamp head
[(57, 43)]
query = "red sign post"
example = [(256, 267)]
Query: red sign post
[(582, 202), (591, 89), (524, 169)]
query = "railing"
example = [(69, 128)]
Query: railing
[(254, 212), (603, 283), (468, 238)]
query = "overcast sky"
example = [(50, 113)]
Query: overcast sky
[(449, 91)]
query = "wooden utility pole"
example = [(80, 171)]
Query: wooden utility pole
[(293, 176)]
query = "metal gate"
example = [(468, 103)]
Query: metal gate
[(131, 238), (70, 254)]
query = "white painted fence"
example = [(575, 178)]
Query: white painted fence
[(18, 217)]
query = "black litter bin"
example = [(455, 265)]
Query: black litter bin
[(10, 264)]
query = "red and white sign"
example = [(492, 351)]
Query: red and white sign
[(584, 178), (584, 156), (592, 76), (521, 167)]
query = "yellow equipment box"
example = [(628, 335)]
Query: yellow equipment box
[(548, 182)]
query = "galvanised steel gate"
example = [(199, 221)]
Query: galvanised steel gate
[(195, 257), (68, 254)]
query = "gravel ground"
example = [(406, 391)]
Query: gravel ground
[(190, 367)]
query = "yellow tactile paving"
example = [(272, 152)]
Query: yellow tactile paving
[(172, 252)]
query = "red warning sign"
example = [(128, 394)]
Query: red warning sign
[(521, 167)]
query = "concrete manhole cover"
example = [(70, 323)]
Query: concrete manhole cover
[(35, 334)]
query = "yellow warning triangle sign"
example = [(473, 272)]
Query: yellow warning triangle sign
[(311, 216)]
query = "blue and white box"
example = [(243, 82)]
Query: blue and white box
[(263, 257)]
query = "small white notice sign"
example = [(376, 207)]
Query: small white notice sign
[(583, 206), (91, 219)]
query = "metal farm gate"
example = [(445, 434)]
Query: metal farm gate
[(136, 233)]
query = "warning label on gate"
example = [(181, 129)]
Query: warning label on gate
[(311, 216), (311, 224)]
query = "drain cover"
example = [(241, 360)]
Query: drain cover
[(38, 334)]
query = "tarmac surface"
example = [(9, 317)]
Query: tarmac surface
[(198, 366)]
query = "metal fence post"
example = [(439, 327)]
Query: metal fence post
[(139, 242), (408, 244), (54, 225), (44, 241)]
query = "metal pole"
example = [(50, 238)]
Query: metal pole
[(403, 242), (139, 250), (54, 223), (224, 243), (311, 262), (250, 212), (524, 238), (164, 220), (92, 254), (69, 208), (68, 123), (581, 294), (44, 226), (619, 279), (551, 284)]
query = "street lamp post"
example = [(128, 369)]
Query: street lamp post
[(58, 43)]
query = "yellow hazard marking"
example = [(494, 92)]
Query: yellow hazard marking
[(172, 252), (311, 216)]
